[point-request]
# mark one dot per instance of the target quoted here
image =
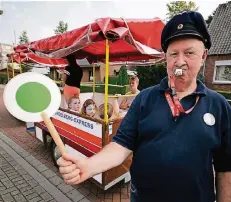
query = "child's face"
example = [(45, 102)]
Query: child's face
[(90, 110), (75, 104), (133, 84)]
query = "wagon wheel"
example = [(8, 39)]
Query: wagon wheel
[(55, 154)]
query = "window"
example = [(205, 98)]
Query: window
[(222, 72)]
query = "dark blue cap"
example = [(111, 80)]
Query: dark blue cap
[(186, 24)]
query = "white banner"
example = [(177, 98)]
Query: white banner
[(83, 124)]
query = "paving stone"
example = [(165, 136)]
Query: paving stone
[(46, 196), (7, 198), (9, 170), (26, 193), (33, 183), (20, 186), (75, 195), (27, 177), (26, 189), (6, 191), (36, 199), (15, 192), (65, 188), (5, 179), (85, 200), (17, 167), (84, 191), (22, 172), (19, 182), (48, 174), (17, 179), (41, 168), (8, 184), (10, 159), (12, 163), (31, 196), (55, 180), (19, 198), (2, 188), (35, 163), (14, 175), (1, 172), (24, 154), (30, 158), (39, 189)]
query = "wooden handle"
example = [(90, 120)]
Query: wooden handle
[(53, 132)]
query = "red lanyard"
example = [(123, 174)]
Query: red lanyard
[(175, 104)]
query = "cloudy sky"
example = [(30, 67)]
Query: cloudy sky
[(40, 18)]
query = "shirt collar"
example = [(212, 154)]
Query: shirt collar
[(201, 88)]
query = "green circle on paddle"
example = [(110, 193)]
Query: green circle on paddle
[(33, 97)]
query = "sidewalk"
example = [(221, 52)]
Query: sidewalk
[(20, 181)]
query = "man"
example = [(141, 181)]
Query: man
[(176, 130), (126, 102)]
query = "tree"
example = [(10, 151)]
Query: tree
[(151, 75), (23, 38), (25, 68), (123, 78), (201, 77), (176, 7), (210, 17), (61, 28), (1, 12)]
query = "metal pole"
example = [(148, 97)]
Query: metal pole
[(93, 79), (20, 64), (106, 82), (7, 69), (12, 60)]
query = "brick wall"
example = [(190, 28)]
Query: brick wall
[(209, 71), (86, 73), (111, 70)]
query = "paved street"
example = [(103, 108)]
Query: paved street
[(20, 181), (28, 174)]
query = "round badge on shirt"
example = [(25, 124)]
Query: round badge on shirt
[(209, 119)]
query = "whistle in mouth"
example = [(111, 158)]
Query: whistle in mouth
[(178, 72)]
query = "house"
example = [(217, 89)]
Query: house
[(4, 50), (99, 70), (218, 63)]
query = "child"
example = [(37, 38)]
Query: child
[(74, 104), (126, 102), (89, 108)]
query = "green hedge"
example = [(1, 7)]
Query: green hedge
[(112, 89), (150, 75), (226, 94), (3, 78), (113, 80)]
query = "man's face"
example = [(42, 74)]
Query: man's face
[(186, 54)]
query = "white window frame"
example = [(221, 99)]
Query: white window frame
[(219, 63)]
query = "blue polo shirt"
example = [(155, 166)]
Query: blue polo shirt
[(173, 158)]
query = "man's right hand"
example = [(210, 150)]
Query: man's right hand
[(74, 169)]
